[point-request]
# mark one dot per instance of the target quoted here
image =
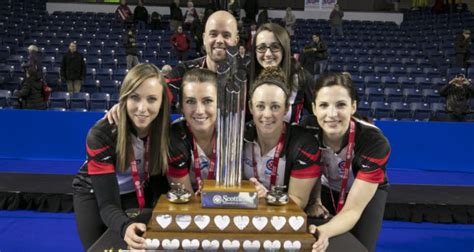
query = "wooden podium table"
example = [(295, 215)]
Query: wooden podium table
[(190, 227)]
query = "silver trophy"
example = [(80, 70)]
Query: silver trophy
[(228, 190), (231, 100)]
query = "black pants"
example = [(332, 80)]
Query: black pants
[(88, 221), (461, 60), (457, 117), (368, 227)]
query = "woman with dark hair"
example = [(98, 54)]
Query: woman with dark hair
[(126, 162), (30, 93), (193, 138), (275, 152), (354, 155), (272, 48)]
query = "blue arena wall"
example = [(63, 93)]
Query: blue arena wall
[(55, 135)]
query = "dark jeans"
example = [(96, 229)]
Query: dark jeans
[(182, 56), (88, 221), (320, 66), (456, 117), (367, 229), (461, 60)]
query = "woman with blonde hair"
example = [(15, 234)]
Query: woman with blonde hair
[(126, 163)]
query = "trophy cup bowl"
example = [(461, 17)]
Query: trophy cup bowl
[(178, 194)]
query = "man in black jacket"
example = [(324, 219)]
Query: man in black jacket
[(73, 69), (462, 48), (315, 56), (176, 16), (458, 93), (140, 15)]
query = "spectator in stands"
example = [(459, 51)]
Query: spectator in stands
[(126, 162), (130, 45), (417, 4), (272, 48), (290, 21), (197, 29), (335, 20), (34, 61), (30, 93), (176, 16), (190, 15), (462, 48), (396, 4), (243, 33), (458, 93), (262, 17), (354, 158), (181, 44), (252, 33), (195, 133), (315, 56), (234, 8), (73, 69), (123, 12), (140, 15), (208, 10), (166, 70), (251, 10), (243, 57), (155, 20), (297, 165)]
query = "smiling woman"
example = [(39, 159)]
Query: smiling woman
[(354, 155), (273, 49), (120, 173), (276, 153), (192, 144)]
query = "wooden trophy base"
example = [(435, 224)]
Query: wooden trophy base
[(192, 227)]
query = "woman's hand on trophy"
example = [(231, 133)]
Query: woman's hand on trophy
[(261, 189), (133, 236), (113, 115), (322, 241), (199, 189)]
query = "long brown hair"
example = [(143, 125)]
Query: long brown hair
[(159, 128)]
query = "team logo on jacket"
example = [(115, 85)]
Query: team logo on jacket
[(204, 165), (340, 171), (269, 167)]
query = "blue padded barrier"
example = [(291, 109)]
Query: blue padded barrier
[(54, 135)]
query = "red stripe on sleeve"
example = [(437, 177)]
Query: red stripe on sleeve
[(170, 95), (379, 161), (313, 171), (177, 173), (375, 176), (95, 167), (173, 80), (93, 153)]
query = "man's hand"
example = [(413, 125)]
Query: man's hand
[(113, 115)]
